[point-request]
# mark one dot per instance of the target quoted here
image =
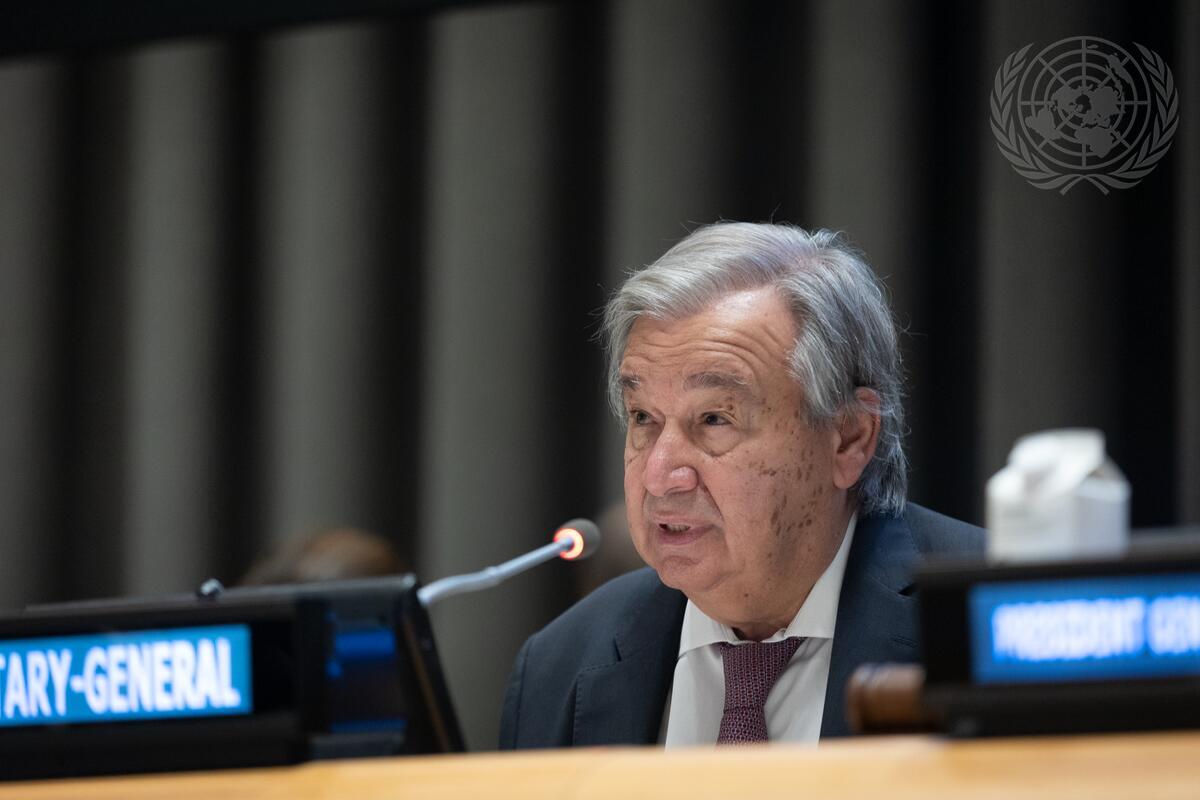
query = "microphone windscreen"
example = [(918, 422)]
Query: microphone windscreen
[(584, 535)]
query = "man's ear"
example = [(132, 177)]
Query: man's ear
[(856, 438)]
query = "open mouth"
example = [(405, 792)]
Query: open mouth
[(662, 526)]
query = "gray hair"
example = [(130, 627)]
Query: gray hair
[(847, 337)]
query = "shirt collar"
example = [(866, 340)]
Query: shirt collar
[(814, 620)]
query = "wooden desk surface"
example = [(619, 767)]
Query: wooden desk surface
[(1146, 766)]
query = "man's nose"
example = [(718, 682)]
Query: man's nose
[(670, 467)]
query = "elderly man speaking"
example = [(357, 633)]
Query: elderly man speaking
[(757, 372)]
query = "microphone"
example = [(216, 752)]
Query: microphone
[(573, 541)]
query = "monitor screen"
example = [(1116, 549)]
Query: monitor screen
[(1096, 628), (183, 672)]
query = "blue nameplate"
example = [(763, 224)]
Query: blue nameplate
[(177, 672), (1111, 628)]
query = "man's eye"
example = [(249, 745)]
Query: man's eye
[(714, 418), (638, 417)]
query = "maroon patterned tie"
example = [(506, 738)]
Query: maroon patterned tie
[(751, 669)]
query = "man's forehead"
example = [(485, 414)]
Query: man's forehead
[(724, 378)]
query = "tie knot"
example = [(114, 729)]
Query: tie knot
[(752, 668)]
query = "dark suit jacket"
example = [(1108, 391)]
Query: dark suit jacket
[(600, 673)]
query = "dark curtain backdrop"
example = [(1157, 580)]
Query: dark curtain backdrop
[(256, 285)]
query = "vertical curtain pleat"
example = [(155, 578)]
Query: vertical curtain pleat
[(91, 450), (177, 241), (1186, 157), (31, 94), (321, 226)]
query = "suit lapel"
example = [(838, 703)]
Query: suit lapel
[(876, 618), (622, 702)]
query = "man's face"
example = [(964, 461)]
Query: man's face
[(728, 489)]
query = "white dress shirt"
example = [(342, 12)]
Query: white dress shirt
[(797, 702)]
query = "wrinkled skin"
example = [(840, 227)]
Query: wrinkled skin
[(732, 496)]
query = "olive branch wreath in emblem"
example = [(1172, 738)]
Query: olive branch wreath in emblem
[(1034, 168)]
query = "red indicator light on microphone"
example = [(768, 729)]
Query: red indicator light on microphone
[(576, 539)]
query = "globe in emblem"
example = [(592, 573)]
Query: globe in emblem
[(1085, 102), (1084, 109)]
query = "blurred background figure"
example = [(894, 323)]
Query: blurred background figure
[(328, 555)]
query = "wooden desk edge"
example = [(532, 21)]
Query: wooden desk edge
[(1092, 767)]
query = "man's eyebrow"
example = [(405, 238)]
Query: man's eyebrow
[(629, 382), (716, 380)]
